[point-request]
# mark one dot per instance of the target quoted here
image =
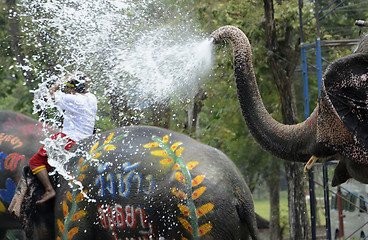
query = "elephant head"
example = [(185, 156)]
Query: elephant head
[(338, 126), (135, 182)]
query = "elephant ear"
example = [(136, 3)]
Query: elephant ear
[(343, 107)]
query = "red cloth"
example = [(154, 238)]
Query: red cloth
[(39, 161)]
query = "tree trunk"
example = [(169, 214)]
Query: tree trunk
[(283, 76), (274, 188), (193, 113), (298, 217), (161, 114)]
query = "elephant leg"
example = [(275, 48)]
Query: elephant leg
[(341, 174), (44, 217), (245, 209)]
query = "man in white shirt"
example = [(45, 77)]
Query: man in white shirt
[(80, 109)]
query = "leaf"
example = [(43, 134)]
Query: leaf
[(179, 151), (180, 177), (151, 145), (2, 207), (79, 215), (110, 147), (69, 196), (192, 165), (97, 155), (205, 228), (165, 139), (175, 146), (65, 209), (197, 193), (84, 168), (108, 139), (80, 196), (184, 210), (197, 180), (176, 167), (72, 232), (80, 161), (81, 177), (94, 148), (186, 225), (204, 209), (167, 161), (117, 138), (60, 225), (159, 153), (178, 193)]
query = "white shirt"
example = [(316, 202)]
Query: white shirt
[(80, 114)]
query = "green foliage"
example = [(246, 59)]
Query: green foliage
[(14, 94), (19, 99), (262, 207), (222, 124)]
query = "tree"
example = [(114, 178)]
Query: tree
[(283, 71), (232, 135), (221, 116), (13, 93)]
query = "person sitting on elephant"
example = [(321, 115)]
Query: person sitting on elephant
[(80, 109)]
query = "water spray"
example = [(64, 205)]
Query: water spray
[(126, 49)]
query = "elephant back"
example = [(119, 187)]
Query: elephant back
[(143, 181)]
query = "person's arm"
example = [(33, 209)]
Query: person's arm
[(53, 89)]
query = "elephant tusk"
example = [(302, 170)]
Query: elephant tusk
[(310, 163)]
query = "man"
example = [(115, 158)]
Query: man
[(80, 109)]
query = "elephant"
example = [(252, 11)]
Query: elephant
[(336, 129), (20, 137), (134, 182)]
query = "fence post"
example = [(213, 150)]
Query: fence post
[(339, 209)]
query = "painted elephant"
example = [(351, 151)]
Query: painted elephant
[(20, 137), (135, 182), (338, 126)]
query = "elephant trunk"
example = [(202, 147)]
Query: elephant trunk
[(289, 142)]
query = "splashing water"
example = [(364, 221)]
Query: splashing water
[(58, 157), (138, 49), (134, 48), (161, 67)]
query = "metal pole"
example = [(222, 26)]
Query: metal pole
[(305, 81), (318, 49), (339, 209), (312, 197), (319, 63), (327, 202)]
